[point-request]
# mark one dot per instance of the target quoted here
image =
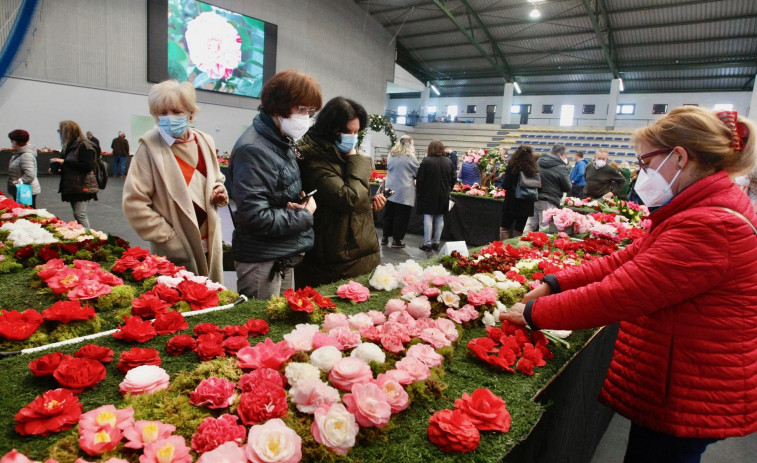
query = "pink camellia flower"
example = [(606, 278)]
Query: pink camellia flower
[(354, 291), (378, 318), (66, 279), (214, 45), (359, 320), (265, 354), (323, 339), (82, 460), (334, 320), (49, 268), (107, 278), (213, 393), (476, 299), (349, 371), (301, 338), (395, 305), (144, 379), (419, 307), (368, 403), (273, 442), (15, 457), (214, 432), (435, 337), (107, 415), (432, 292), (229, 452), (448, 328), (311, 393), (145, 432), (172, 449), (417, 369), (396, 396), (346, 337), (425, 354), (100, 440), (334, 427)]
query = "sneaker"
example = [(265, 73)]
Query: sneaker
[(435, 246), (425, 247), (398, 244), (384, 241)]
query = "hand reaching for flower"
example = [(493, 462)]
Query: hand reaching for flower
[(541, 290), (514, 314)]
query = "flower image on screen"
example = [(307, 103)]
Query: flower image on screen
[(215, 49)]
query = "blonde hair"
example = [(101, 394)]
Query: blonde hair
[(402, 147), (704, 136), (170, 94), (69, 132)]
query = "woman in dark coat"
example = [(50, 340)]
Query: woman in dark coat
[(346, 244), (515, 211), (436, 177)]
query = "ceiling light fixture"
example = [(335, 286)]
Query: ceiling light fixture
[(535, 13), (435, 90), (517, 87), (621, 87)]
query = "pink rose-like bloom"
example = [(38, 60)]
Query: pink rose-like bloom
[(265, 354), (213, 393), (395, 305), (432, 292), (144, 379), (419, 307), (476, 299), (359, 320), (323, 339), (371, 333), (425, 354), (214, 432), (369, 405), (89, 289), (346, 337), (378, 318), (229, 452), (435, 337), (349, 371), (417, 369), (100, 440), (214, 45), (448, 328), (402, 318), (301, 338), (172, 449), (107, 415), (396, 395), (490, 295), (273, 442), (14, 456), (311, 393), (354, 291), (334, 427), (334, 320), (145, 432)]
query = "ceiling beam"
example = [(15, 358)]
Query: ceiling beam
[(442, 83), (748, 83), (488, 34), (594, 18)]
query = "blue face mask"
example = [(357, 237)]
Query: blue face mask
[(173, 125), (347, 142)]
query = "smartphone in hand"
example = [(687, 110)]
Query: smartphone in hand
[(305, 198), (387, 192)]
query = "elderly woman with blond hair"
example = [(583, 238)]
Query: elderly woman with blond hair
[(402, 167), (174, 185), (684, 370), (78, 184)]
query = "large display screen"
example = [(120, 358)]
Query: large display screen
[(213, 48)]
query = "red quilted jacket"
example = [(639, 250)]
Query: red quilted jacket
[(685, 361)]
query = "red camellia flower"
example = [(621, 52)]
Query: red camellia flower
[(125, 263), (213, 393), (170, 322), (234, 330), (144, 269), (166, 293), (68, 311), (451, 431), (525, 366), (95, 352), (46, 365), (137, 356), (209, 350), (234, 343), (177, 345), (485, 410), (135, 330), (17, 326), (53, 411), (66, 279), (213, 432), (216, 338), (24, 253), (89, 289), (297, 302), (198, 295), (204, 328), (148, 306), (48, 253), (78, 374), (262, 403), (50, 268), (249, 381), (256, 327)]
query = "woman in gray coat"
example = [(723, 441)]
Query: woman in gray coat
[(23, 165), (402, 166)]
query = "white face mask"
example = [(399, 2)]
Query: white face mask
[(652, 187), (295, 125), (600, 163)]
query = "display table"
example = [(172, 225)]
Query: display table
[(43, 161)]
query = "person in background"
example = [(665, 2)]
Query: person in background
[(452, 155), (602, 178), (402, 167), (436, 177), (578, 175), (23, 165), (346, 244), (120, 146), (685, 294), (632, 195), (515, 211), (175, 186), (94, 140), (78, 184), (625, 169), (274, 227), (555, 180), (469, 174)]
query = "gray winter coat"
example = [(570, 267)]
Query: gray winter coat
[(23, 165), (555, 178), (400, 177)]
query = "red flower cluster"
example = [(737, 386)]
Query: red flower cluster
[(213, 341), (95, 352), (77, 374), (17, 326), (197, 295), (137, 356), (262, 403), (538, 239), (302, 300), (510, 344), (53, 411), (86, 280), (213, 432), (68, 311), (144, 265), (135, 330)]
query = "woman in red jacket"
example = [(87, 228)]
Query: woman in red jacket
[(684, 370)]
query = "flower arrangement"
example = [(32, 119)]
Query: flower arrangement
[(223, 159), (491, 191), (491, 164), (378, 123)]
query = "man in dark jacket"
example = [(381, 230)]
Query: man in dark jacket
[(120, 146), (602, 178), (577, 175), (555, 180)]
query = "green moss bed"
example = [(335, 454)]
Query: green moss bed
[(403, 440)]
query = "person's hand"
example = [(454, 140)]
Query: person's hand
[(58, 160), (352, 152), (219, 197), (514, 314), (308, 205), (379, 201), (541, 290)]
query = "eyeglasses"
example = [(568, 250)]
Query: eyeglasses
[(641, 158), (309, 110), (58, 130)]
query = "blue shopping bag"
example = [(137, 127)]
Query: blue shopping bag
[(24, 194)]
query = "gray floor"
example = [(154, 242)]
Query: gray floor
[(106, 215)]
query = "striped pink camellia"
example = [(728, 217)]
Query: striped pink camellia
[(354, 291)]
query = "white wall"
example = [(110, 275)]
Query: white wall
[(643, 101)]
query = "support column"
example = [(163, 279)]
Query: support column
[(753, 101), (612, 104), (425, 94), (507, 102)]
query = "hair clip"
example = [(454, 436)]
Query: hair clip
[(739, 130)]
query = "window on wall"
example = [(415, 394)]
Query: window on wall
[(659, 109), (566, 115), (515, 109), (401, 113), (723, 107), (471, 109), (588, 109), (626, 109), (547, 108), (452, 112)]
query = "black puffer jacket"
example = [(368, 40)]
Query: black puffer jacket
[(77, 180), (434, 182), (264, 176), (555, 178)]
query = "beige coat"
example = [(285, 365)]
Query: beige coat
[(158, 205)]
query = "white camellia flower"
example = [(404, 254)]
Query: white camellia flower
[(369, 352), (499, 276), (298, 371), (508, 284), (336, 428), (325, 357), (435, 271), (359, 320), (528, 265), (214, 45), (449, 299), (470, 283), (22, 233), (383, 279), (485, 279), (273, 442), (301, 337), (410, 266), (562, 334), (488, 319)]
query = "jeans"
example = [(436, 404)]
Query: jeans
[(435, 223), (253, 279), (647, 446), (80, 212), (119, 165), (534, 222)]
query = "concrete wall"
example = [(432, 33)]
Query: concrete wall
[(85, 60)]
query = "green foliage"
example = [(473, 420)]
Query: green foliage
[(10, 266), (227, 297), (119, 298), (83, 254), (149, 283)]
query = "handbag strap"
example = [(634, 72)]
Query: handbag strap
[(741, 216)]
